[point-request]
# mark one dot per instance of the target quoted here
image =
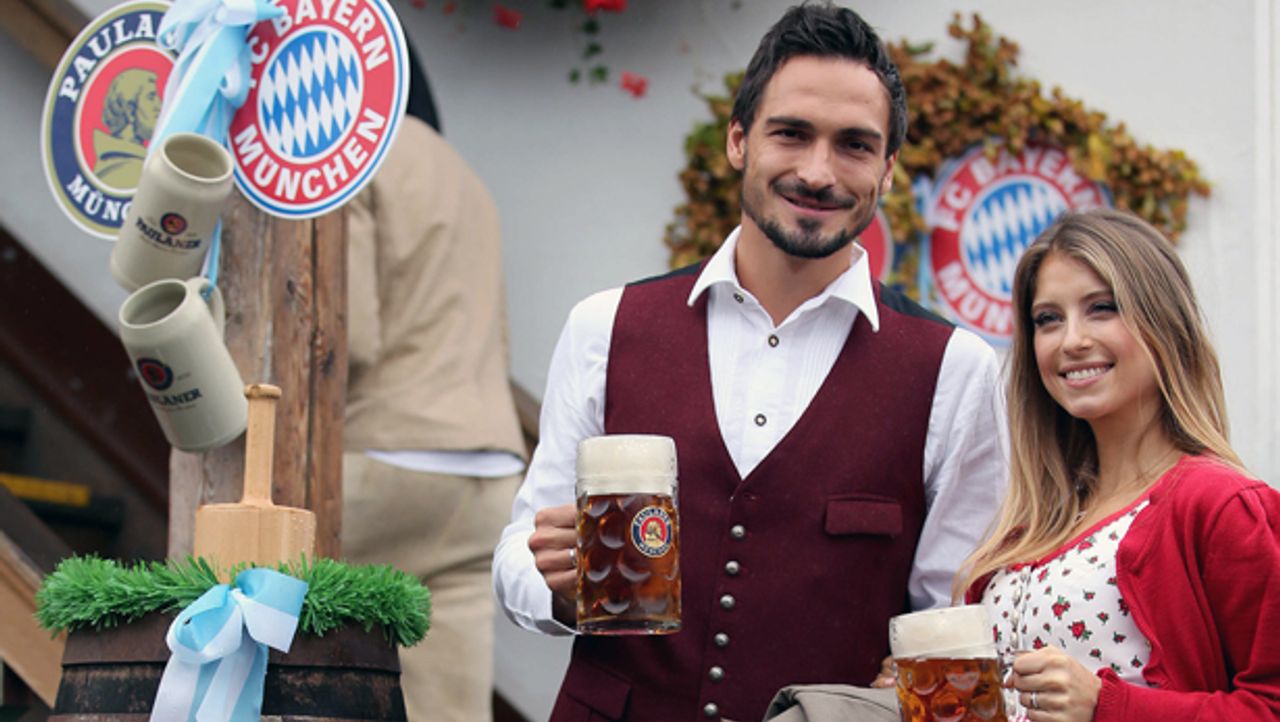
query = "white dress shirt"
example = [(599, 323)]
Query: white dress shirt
[(965, 455)]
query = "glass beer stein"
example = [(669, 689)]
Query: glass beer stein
[(947, 666), (628, 536)]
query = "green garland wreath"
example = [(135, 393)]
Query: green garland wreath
[(92, 592), (951, 108)]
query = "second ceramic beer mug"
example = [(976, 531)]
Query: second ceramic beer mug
[(174, 339), (628, 551), (947, 666), (166, 233)]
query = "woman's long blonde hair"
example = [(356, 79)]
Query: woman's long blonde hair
[(1054, 459)]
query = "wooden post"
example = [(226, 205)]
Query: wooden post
[(285, 286)]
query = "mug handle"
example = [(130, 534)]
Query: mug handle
[(214, 301)]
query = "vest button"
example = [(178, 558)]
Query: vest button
[(738, 531), (727, 601), (760, 420), (732, 568), (721, 639), (715, 674), (773, 340), (710, 709)]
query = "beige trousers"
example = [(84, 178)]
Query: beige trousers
[(442, 529)]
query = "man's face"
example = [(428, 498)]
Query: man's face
[(813, 162), (146, 110)]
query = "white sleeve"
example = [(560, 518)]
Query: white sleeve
[(572, 410), (966, 466)]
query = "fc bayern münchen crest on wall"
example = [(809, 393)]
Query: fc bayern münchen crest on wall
[(983, 214), (99, 114), (330, 82)]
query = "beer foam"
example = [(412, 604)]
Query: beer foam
[(627, 464), (953, 632)]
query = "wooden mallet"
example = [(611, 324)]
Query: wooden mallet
[(255, 530)]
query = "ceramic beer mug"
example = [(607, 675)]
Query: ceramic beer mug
[(174, 340), (166, 233), (628, 552), (947, 665)]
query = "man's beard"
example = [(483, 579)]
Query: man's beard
[(807, 241)]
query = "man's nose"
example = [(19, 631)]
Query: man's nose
[(815, 169)]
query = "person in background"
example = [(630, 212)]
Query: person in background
[(433, 449), (1134, 573), (839, 448)]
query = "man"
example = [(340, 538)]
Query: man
[(839, 448), (130, 112), (433, 447)]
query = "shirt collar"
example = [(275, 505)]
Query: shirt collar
[(853, 286)]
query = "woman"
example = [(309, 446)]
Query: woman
[(1134, 572)]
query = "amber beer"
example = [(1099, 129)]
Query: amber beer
[(947, 666), (628, 536)]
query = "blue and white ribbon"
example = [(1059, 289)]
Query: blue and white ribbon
[(219, 648), (210, 79)]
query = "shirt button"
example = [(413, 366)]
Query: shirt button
[(738, 531), (773, 340), (731, 568), (721, 639), (738, 297), (715, 674), (760, 419), (710, 709), (727, 601)]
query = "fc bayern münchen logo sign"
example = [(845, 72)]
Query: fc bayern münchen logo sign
[(983, 214), (330, 82), (100, 112)]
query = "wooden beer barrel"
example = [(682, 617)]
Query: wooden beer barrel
[(349, 674)]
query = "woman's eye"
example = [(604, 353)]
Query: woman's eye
[(1043, 318), (1104, 307)]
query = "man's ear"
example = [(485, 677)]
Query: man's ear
[(887, 181), (736, 145)]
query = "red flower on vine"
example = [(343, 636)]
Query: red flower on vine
[(613, 6), (634, 84), (506, 17)]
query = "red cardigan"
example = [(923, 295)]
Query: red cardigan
[(1200, 569)]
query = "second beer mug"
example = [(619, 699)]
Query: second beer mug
[(628, 536), (947, 666)]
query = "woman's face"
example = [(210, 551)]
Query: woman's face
[(1089, 362)]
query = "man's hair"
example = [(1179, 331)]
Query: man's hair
[(122, 99), (826, 31)]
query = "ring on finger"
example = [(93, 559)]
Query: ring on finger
[(1032, 703), (573, 557)]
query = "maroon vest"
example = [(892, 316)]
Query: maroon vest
[(790, 575)]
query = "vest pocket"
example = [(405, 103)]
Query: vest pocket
[(596, 695), (863, 514)]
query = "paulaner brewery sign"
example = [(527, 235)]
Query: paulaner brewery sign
[(982, 214), (99, 114)]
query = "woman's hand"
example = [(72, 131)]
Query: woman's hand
[(1053, 687), (888, 676)]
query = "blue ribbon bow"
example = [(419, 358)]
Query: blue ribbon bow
[(210, 79), (219, 648)]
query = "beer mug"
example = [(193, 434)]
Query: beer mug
[(628, 536), (947, 666), (169, 226), (174, 339)]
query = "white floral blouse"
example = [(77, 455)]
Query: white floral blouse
[(1070, 600)]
